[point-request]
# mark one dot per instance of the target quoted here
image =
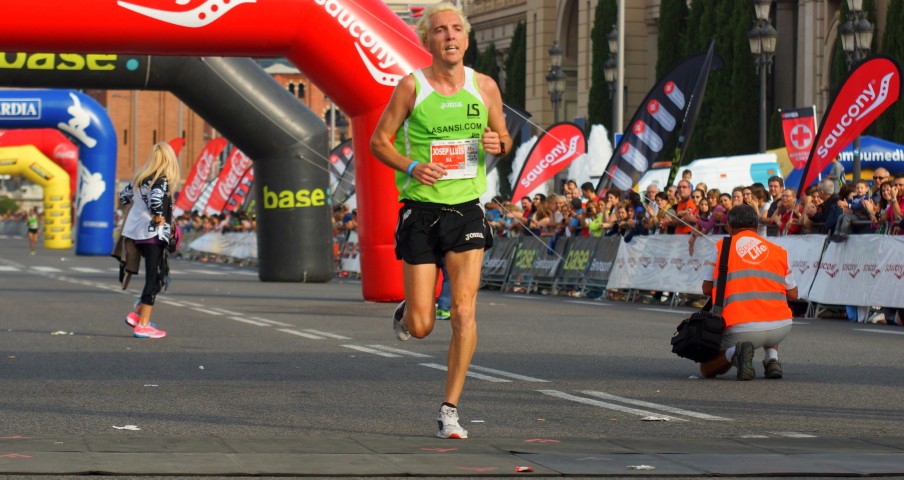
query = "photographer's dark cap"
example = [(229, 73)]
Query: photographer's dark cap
[(576, 203)]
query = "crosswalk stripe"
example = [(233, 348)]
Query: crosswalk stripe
[(641, 403), (224, 311), (399, 350), (300, 334), (8, 268), (610, 406), (326, 334), (372, 351), (478, 376), (206, 310)]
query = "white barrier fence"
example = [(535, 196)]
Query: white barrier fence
[(866, 270)]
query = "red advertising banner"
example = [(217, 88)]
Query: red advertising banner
[(197, 177), (177, 144), (554, 150), (871, 87), (240, 195), (799, 126), (230, 175)]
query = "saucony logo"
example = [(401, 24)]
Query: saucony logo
[(204, 14)]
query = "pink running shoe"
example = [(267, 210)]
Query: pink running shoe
[(132, 319), (148, 331)]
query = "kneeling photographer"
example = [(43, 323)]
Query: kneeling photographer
[(758, 285)]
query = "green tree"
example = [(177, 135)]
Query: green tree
[(890, 125), (672, 28), (8, 205), (515, 69), (471, 54), (486, 62), (599, 102)]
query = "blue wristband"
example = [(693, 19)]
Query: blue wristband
[(411, 167)]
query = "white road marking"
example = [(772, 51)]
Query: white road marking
[(326, 334), (470, 374), (876, 330), (87, 270), (300, 334), (46, 269), (589, 302), (272, 322), (8, 268), (252, 322), (372, 351), (224, 311), (664, 408), (206, 310), (172, 303), (793, 434), (398, 350), (664, 310), (191, 304), (506, 374), (205, 272), (611, 406)]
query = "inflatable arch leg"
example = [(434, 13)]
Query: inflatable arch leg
[(30, 163)]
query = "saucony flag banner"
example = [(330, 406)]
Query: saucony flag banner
[(197, 177), (799, 126), (240, 195), (654, 122), (515, 118), (342, 170), (872, 86), (689, 119), (230, 176), (554, 150)]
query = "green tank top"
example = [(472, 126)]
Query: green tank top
[(32, 222), (453, 126)]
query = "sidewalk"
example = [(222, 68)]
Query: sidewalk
[(130, 454)]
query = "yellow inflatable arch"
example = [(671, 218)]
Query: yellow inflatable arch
[(30, 163)]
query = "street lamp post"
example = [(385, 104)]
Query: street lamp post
[(610, 71), (856, 38), (762, 44), (555, 80)]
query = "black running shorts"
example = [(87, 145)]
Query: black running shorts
[(426, 231)]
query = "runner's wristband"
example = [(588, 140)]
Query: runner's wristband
[(411, 167)]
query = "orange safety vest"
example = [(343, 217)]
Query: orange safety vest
[(755, 287)]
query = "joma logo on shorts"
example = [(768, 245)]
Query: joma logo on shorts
[(469, 236)]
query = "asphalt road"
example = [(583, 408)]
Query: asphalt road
[(246, 358)]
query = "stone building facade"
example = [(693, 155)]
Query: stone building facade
[(807, 35)]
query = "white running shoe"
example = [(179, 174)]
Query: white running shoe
[(398, 326), (447, 419)]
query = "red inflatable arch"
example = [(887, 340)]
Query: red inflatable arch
[(354, 50), (51, 143)]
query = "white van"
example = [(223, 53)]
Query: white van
[(723, 173)]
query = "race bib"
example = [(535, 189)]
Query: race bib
[(458, 157)]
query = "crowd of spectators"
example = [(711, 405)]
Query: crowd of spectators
[(225, 222)]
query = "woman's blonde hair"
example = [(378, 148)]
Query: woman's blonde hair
[(162, 162), (432, 10)]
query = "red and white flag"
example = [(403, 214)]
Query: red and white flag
[(554, 150), (871, 87), (197, 177), (230, 176), (799, 126)]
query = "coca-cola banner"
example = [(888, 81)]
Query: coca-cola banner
[(230, 176), (655, 120), (197, 177), (872, 86), (240, 195), (553, 151)]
